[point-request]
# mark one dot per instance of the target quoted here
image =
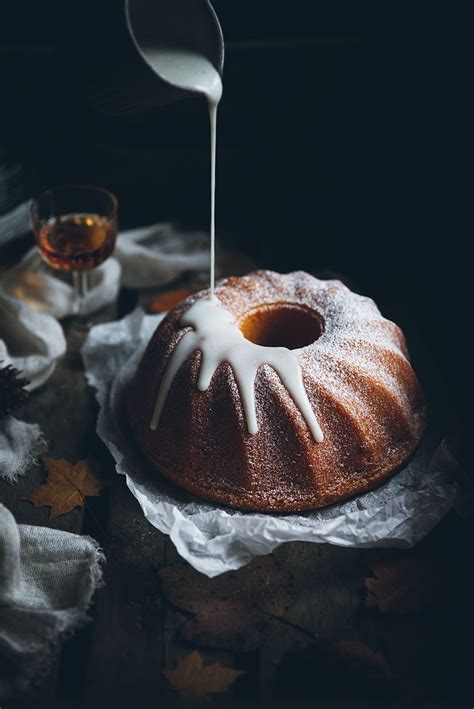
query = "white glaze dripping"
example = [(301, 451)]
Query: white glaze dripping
[(193, 71), (212, 103), (218, 338)]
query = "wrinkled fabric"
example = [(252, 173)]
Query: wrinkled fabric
[(33, 343), (47, 580), (21, 444), (158, 254), (35, 284), (148, 257), (30, 341)]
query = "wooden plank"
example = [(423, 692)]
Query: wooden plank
[(175, 647), (125, 654)]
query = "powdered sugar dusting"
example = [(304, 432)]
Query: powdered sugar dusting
[(358, 344), (218, 338), (357, 377)]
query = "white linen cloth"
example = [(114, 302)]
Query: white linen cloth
[(47, 580), (34, 283), (215, 539), (21, 444), (158, 254), (31, 342), (150, 256), (144, 258)]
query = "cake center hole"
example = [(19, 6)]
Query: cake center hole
[(282, 325)]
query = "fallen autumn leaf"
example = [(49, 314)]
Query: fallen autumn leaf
[(232, 610), (194, 680), (67, 486), (398, 586)]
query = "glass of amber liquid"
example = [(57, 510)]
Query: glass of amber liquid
[(76, 230)]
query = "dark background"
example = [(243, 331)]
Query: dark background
[(344, 145)]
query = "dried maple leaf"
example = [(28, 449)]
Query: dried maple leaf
[(236, 629), (359, 653), (411, 584), (194, 680), (398, 586), (168, 300), (342, 672), (67, 486), (231, 610), (262, 584)]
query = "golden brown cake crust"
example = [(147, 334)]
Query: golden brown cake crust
[(357, 376)]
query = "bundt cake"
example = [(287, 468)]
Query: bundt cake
[(280, 393)]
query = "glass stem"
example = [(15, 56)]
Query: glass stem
[(80, 281)]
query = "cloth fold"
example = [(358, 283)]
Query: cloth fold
[(144, 258), (21, 444), (30, 341), (47, 580), (155, 255), (32, 282)]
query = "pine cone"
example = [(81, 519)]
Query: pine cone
[(12, 391)]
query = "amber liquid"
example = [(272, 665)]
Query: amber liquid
[(77, 242)]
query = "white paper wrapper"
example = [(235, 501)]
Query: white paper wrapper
[(215, 539)]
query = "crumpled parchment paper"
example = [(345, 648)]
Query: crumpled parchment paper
[(215, 539)]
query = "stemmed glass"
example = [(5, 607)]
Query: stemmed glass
[(76, 230)]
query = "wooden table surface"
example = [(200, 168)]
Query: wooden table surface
[(328, 649)]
